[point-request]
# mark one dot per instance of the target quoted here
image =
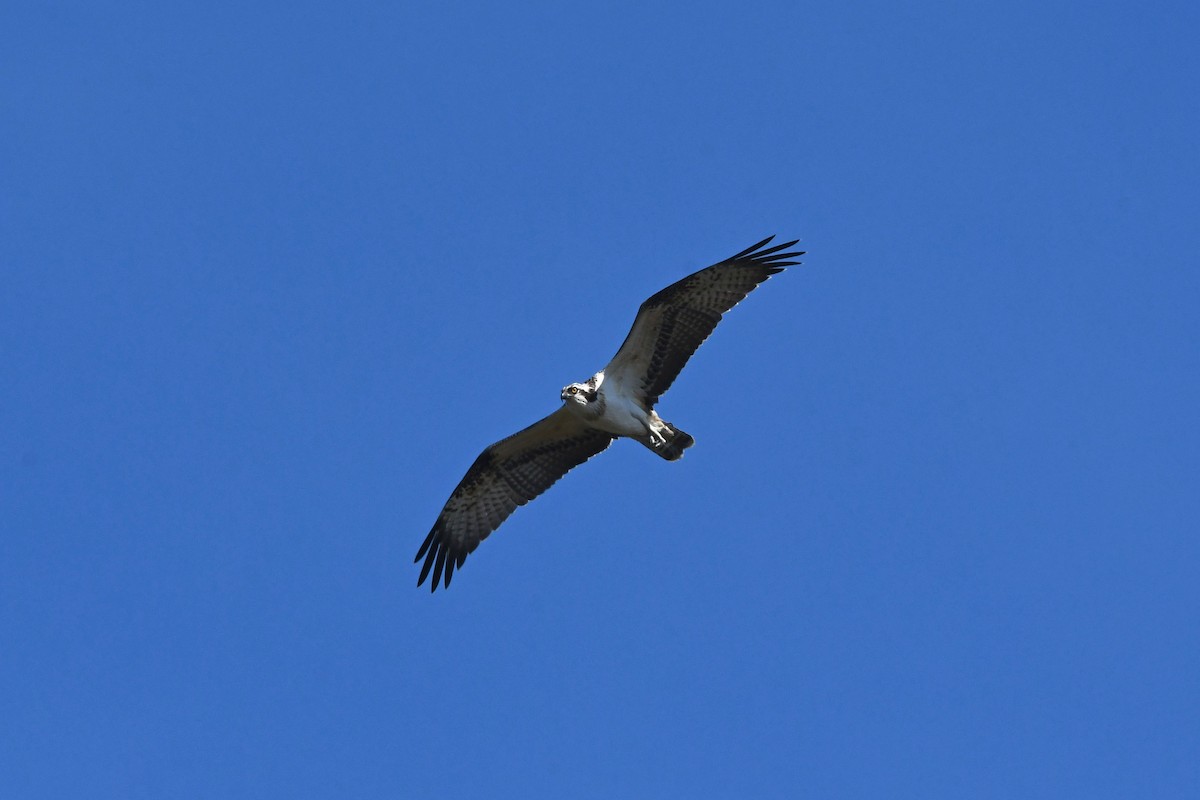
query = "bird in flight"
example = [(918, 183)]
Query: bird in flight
[(618, 401)]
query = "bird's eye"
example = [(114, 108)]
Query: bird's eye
[(572, 390)]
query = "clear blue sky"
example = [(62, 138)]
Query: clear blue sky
[(272, 276)]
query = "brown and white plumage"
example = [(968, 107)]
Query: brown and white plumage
[(674, 322), (508, 474), (616, 402)]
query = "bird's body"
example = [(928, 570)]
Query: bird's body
[(617, 402), (609, 406)]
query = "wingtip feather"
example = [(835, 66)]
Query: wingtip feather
[(438, 566), (751, 249), (771, 256), (425, 570), (425, 545), (759, 254)]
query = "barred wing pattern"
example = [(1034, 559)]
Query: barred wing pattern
[(507, 474), (672, 324)]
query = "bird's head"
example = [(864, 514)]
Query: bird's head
[(580, 393)]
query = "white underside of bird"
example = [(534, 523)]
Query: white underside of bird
[(604, 404)]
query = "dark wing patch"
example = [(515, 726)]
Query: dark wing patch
[(508, 474), (672, 324)]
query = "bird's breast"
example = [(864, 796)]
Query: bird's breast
[(620, 415)]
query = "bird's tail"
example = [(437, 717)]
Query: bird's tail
[(677, 442)]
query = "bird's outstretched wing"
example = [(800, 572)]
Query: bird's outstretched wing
[(508, 474), (673, 323)]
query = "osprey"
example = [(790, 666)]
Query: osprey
[(618, 401)]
